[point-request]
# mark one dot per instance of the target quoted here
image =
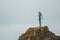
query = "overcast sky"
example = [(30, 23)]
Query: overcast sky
[(16, 16)]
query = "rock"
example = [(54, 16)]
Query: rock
[(39, 33)]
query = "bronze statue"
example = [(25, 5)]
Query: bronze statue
[(40, 15)]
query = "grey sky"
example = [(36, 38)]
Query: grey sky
[(17, 15)]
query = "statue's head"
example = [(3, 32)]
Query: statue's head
[(40, 14)]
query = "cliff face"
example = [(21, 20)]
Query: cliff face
[(38, 33)]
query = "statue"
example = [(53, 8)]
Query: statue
[(40, 18)]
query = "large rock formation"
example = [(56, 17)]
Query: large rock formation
[(38, 33)]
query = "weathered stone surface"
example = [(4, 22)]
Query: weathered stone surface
[(38, 33)]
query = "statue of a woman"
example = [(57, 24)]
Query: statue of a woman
[(40, 18)]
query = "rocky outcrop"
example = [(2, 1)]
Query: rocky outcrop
[(39, 33)]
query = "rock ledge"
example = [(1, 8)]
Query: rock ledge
[(39, 33)]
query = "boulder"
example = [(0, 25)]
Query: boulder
[(38, 33)]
